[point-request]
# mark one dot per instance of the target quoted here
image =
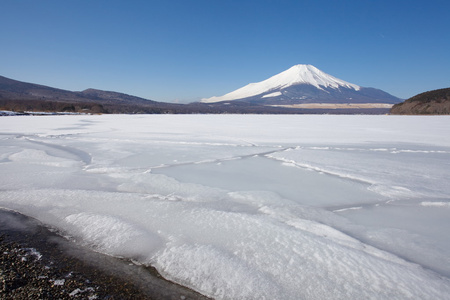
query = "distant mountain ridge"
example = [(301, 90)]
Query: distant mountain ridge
[(13, 89), (304, 84), (18, 96), (22, 96)]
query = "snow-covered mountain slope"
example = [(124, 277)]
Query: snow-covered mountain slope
[(304, 84)]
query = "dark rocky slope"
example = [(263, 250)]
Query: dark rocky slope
[(36, 263)]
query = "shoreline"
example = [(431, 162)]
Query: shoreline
[(38, 263)]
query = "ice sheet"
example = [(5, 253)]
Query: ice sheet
[(243, 206)]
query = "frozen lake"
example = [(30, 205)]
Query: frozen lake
[(246, 206)]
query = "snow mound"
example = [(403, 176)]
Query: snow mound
[(113, 235)]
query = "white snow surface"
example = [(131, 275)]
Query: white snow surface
[(274, 94), (298, 74), (246, 206)]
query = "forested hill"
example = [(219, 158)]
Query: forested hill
[(436, 102)]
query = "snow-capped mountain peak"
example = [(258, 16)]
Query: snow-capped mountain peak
[(308, 74), (298, 74)]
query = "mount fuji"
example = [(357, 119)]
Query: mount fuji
[(303, 84)]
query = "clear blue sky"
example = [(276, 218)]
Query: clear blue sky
[(186, 50)]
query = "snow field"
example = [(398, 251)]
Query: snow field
[(246, 207)]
